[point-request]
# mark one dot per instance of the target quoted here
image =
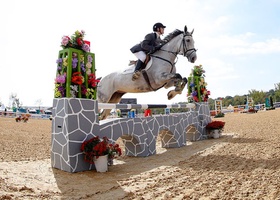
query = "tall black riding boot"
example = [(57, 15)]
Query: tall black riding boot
[(137, 69)]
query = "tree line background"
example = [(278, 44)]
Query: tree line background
[(237, 100), (258, 97)]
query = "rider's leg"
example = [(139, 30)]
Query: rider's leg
[(137, 69), (138, 65), (141, 58)]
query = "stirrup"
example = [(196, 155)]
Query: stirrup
[(136, 75)]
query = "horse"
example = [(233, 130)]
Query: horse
[(160, 72)]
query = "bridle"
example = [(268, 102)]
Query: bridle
[(186, 52)]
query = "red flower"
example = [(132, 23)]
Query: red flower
[(215, 125), (77, 78), (195, 98), (92, 80), (96, 147), (80, 42)]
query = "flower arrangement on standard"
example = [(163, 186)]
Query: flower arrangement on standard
[(198, 71), (215, 125), (197, 86), (96, 147), (78, 77), (76, 41), (82, 78)]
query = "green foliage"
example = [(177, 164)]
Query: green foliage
[(219, 115), (277, 92), (258, 96)]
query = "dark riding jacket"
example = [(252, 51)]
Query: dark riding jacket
[(148, 44)]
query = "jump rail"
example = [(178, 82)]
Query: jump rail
[(143, 106)]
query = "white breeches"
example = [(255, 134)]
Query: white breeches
[(140, 55)]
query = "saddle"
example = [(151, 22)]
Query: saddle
[(133, 62)]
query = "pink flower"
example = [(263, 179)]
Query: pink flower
[(60, 79), (65, 40), (86, 47)]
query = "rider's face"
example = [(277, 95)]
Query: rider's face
[(161, 30)]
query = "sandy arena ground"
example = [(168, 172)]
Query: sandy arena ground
[(243, 164)]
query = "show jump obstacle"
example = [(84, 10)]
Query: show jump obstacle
[(76, 119)]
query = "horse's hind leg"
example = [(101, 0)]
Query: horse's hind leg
[(115, 98), (104, 114)]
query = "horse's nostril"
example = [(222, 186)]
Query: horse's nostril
[(193, 59)]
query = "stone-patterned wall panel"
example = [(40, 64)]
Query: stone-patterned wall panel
[(76, 120), (72, 125)]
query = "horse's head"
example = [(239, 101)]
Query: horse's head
[(187, 46)]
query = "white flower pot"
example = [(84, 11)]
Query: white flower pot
[(101, 163), (216, 133)]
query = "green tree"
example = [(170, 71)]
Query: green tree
[(228, 100), (239, 100), (258, 96), (211, 103), (277, 92)]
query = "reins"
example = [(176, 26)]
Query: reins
[(185, 51)]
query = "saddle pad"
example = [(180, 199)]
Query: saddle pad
[(130, 70)]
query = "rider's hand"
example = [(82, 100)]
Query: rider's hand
[(158, 47)]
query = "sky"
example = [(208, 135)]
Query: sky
[(238, 42)]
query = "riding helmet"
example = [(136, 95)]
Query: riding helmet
[(158, 25)]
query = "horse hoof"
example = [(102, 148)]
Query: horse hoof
[(170, 94), (178, 76)]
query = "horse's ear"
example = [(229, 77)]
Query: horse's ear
[(186, 29), (192, 32)]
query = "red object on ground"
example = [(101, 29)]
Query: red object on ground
[(147, 113)]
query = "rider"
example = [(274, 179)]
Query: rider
[(150, 44)]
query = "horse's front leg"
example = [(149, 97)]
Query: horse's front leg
[(179, 86), (167, 77)]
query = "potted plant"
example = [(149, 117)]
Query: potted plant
[(252, 110), (220, 114), (114, 151), (97, 148), (215, 128)]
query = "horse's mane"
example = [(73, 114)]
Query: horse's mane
[(171, 35)]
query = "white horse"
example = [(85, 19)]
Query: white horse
[(159, 72)]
